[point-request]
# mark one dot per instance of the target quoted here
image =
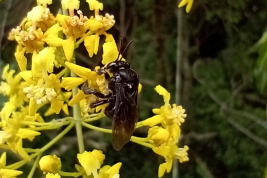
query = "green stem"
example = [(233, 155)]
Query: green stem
[(34, 166), (78, 119), (58, 123), (94, 118), (70, 174), (96, 128), (82, 39), (47, 146), (141, 143), (61, 73), (140, 138), (31, 150)]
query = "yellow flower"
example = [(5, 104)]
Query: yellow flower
[(70, 4), (110, 172), (110, 52), (91, 43), (152, 121), (20, 58), (170, 151), (73, 26), (162, 91), (43, 90), (64, 108), (84, 73), (44, 61), (50, 175), (12, 134), (37, 13), (93, 25), (165, 138), (44, 2), (169, 116), (50, 164), (29, 37), (188, 4), (100, 24), (12, 86), (91, 161), (7, 173), (95, 5), (27, 134), (51, 36), (39, 17), (93, 80), (157, 135)]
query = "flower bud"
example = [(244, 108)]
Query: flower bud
[(50, 164), (158, 135)]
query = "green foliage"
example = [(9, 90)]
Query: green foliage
[(261, 65)]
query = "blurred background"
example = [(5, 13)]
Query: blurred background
[(213, 60)]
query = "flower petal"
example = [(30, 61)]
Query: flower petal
[(79, 70), (110, 52), (68, 47), (70, 82)]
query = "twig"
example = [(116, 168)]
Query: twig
[(247, 132)]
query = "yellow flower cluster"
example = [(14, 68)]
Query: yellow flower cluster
[(90, 165), (45, 53), (49, 79), (164, 132)]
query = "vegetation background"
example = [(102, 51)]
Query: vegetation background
[(213, 60)]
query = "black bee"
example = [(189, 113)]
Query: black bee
[(122, 99)]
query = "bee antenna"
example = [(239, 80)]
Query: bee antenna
[(120, 45), (124, 49)]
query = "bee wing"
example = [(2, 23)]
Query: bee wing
[(125, 116)]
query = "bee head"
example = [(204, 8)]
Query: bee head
[(117, 65)]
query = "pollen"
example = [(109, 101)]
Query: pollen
[(38, 13), (103, 85), (108, 21), (181, 154), (4, 88), (40, 94), (75, 20), (46, 13), (22, 34), (51, 93), (178, 114)]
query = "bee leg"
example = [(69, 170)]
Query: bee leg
[(88, 91), (103, 71), (98, 103)]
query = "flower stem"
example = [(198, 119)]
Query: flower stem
[(140, 138), (47, 146), (56, 123), (133, 139), (78, 119), (94, 117), (34, 166), (96, 128), (69, 174), (82, 39)]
